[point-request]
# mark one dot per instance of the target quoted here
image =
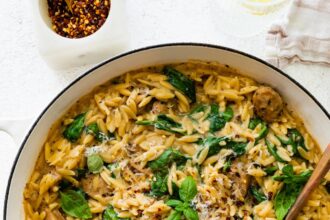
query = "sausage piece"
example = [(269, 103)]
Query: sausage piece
[(93, 185), (240, 179), (159, 108), (267, 103)]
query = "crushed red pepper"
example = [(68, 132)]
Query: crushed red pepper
[(86, 17)]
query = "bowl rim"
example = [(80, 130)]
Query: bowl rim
[(9, 182)]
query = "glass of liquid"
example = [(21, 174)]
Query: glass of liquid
[(246, 18)]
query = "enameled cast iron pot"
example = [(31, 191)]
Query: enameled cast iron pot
[(314, 115)]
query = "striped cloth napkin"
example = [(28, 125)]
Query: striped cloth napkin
[(303, 35)]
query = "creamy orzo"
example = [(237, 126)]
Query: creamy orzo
[(181, 141)]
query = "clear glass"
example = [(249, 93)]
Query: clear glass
[(258, 14)]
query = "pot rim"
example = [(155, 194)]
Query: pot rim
[(133, 52)]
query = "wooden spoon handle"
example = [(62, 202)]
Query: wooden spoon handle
[(321, 170)]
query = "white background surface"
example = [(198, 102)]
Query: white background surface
[(27, 84)]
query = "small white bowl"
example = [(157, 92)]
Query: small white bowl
[(61, 53)]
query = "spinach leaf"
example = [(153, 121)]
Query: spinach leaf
[(198, 108), (92, 128), (94, 163), (145, 122), (259, 196), (264, 128), (227, 164), (188, 189), (110, 214), (290, 177), (74, 204), (81, 173), (159, 185), (217, 120), (295, 139), (169, 156), (65, 185), (175, 189), (174, 215), (263, 132), (81, 192), (163, 123), (228, 114), (102, 137), (270, 170), (112, 167), (187, 192), (237, 147), (73, 131), (272, 150), (285, 199), (293, 184), (213, 143), (254, 123), (288, 170), (181, 82), (182, 207), (160, 167), (174, 203), (190, 214), (99, 136)]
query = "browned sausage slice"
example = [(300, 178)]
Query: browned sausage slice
[(158, 108), (94, 185), (240, 179), (267, 103)]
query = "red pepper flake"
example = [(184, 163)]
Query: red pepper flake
[(270, 196), (86, 18)]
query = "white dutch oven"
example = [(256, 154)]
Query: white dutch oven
[(316, 118)]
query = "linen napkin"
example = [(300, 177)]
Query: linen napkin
[(303, 35)]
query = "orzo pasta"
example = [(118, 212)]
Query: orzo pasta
[(191, 140)]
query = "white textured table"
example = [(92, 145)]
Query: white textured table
[(27, 84)]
